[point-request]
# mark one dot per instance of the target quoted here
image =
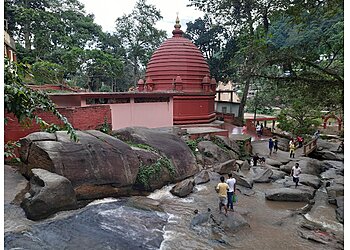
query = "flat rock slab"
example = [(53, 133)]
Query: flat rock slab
[(273, 162), (277, 175), (310, 180), (14, 185), (289, 194)]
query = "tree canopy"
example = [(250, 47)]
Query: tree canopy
[(138, 36), (287, 46)]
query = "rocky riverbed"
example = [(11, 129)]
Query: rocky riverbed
[(270, 212)]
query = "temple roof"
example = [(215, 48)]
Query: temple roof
[(177, 56)]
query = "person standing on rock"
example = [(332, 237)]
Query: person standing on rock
[(300, 141), (275, 144), (258, 129), (221, 189), (231, 182), (270, 145), (291, 150), (296, 171)]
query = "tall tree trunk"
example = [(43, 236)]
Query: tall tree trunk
[(26, 29), (243, 102), (135, 72), (249, 63)]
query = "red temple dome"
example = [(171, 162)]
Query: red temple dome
[(177, 56)]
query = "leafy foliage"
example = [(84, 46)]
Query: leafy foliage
[(10, 148), (105, 127), (63, 43), (213, 41), (192, 144), (45, 72), (138, 36), (24, 102), (153, 171), (285, 45)]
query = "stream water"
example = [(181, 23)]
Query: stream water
[(111, 224)]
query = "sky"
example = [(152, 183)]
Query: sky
[(107, 11)]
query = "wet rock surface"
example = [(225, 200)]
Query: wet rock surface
[(202, 177), (119, 228), (100, 165), (183, 188), (213, 228), (48, 194), (289, 194)]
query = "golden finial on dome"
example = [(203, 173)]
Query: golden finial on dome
[(177, 32), (177, 22)]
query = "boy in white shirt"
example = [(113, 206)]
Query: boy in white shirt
[(231, 182), (296, 171)]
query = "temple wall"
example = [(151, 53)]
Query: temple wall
[(147, 114), (82, 118), (192, 109)]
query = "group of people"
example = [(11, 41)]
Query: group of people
[(226, 191), (273, 145)]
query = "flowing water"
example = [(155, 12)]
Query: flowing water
[(111, 224)]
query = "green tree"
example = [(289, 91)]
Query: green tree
[(289, 43), (101, 68), (23, 102), (213, 42), (138, 36), (45, 72), (47, 28), (243, 18)]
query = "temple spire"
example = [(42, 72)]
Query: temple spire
[(177, 32)]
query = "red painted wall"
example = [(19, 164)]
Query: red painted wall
[(82, 118), (191, 109)]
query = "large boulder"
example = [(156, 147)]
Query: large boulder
[(96, 159), (242, 143), (100, 165), (310, 180), (288, 167), (327, 155), (15, 185), (307, 165), (283, 144), (202, 177), (337, 165), (226, 167), (340, 209), (232, 145), (183, 188), (231, 223), (276, 175), (213, 154), (326, 145), (263, 176), (289, 194), (334, 191), (168, 144), (48, 194), (144, 203), (245, 165), (243, 180), (273, 162)]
